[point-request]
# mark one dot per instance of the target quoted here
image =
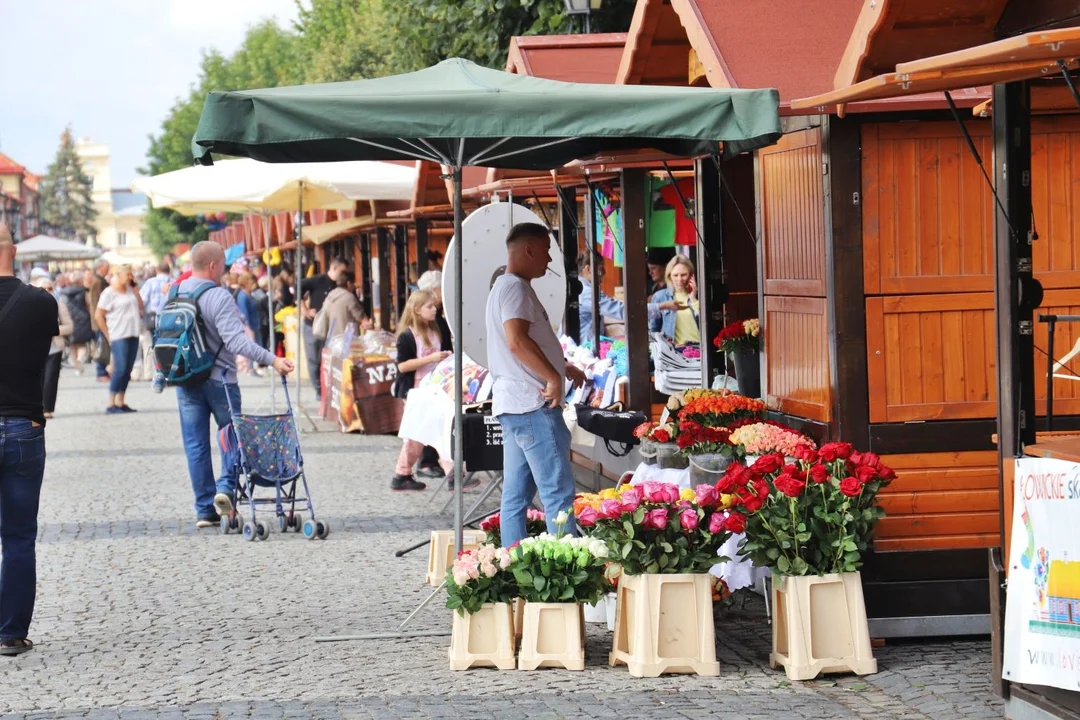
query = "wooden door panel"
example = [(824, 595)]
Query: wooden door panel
[(796, 357), (934, 357), (792, 215)]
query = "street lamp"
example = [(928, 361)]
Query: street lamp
[(582, 7)]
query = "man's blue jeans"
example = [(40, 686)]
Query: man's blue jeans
[(197, 403), (536, 456), (22, 465)]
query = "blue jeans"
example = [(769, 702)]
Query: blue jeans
[(197, 403), (22, 465), (124, 351), (536, 455)]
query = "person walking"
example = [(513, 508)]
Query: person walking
[(419, 350), (342, 307), (119, 316), (29, 319), (313, 292), (153, 292), (262, 308), (78, 304), (225, 338), (95, 285), (527, 363), (50, 378)]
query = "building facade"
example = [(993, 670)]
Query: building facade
[(19, 199), (120, 211)]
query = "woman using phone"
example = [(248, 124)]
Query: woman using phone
[(678, 303), (119, 317), (419, 350)]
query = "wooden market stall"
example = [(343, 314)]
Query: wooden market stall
[(1025, 269)]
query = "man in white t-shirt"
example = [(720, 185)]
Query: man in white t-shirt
[(526, 360)]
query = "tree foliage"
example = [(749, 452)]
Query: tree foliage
[(334, 40), (67, 204)]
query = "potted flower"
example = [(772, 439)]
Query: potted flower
[(811, 521), (742, 341), (766, 438), (535, 523), (479, 589), (722, 411), (556, 575), (708, 449), (665, 539), (663, 437), (647, 449)]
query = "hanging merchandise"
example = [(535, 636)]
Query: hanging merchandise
[(271, 257), (685, 233), (609, 230), (659, 217)]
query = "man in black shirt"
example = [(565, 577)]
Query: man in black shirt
[(314, 290), (29, 318)]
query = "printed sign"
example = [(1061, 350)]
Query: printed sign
[(1042, 612)]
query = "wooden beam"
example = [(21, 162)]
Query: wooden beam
[(421, 225), (634, 274), (364, 249), (697, 74), (386, 301), (844, 281), (711, 277), (569, 243), (401, 268)]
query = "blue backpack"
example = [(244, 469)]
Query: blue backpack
[(180, 348)]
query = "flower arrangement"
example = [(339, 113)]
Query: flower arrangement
[(677, 400), (656, 528), (811, 517), (551, 569), (766, 438), (697, 439), (721, 411), (739, 335), (657, 432), (535, 523), (478, 577)]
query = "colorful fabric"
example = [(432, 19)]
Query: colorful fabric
[(609, 229), (270, 446)]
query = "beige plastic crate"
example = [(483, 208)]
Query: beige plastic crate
[(483, 639), (441, 552), (553, 635)]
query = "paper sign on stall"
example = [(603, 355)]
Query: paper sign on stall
[(1042, 612)]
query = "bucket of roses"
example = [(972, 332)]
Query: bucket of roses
[(658, 443), (480, 587), (811, 521), (766, 438), (665, 540), (708, 449), (556, 575)]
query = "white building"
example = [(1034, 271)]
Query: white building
[(120, 220)]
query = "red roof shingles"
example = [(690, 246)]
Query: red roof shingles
[(10, 167), (792, 46), (569, 58)]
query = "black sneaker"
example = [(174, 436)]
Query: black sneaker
[(406, 482), (208, 521), (471, 482), (431, 471)]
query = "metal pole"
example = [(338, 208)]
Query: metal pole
[(1050, 376), (270, 306), (459, 420), (590, 242), (299, 314)]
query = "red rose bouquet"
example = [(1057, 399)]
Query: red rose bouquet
[(810, 517), (741, 334), (535, 523)]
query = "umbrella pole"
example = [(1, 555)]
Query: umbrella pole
[(459, 420), (270, 307), (299, 315)]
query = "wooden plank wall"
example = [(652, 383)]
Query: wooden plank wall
[(792, 262)]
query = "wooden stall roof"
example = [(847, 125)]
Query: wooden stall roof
[(1026, 57), (570, 58), (725, 44)]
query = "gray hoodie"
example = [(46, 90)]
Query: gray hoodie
[(223, 324)]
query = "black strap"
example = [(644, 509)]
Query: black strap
[(11, 301)]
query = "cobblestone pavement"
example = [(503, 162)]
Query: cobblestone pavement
[(140, 615)]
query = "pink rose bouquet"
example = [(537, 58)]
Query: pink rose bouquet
[(767, 438), (480, 576)]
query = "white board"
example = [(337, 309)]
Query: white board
[(485, 232)]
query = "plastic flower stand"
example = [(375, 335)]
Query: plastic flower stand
[(519, 617), (441, 552), (664, 624), (553, 636), (483, 639), (819, 626)]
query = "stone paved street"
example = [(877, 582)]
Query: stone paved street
[(141, 616)]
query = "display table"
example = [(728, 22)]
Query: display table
[(738, 572)]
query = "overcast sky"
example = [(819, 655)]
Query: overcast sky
[(111, 68)]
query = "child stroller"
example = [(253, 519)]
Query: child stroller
[(267, 448)]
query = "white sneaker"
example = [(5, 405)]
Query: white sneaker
[(223, 504)]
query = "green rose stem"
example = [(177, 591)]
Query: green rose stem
[(779, 543)]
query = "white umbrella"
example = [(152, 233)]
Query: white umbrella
[(42, 248), (245, 185)]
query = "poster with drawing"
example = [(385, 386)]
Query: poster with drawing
[(1042, 611)]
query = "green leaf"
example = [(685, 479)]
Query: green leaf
[(628, 528), (539, 582), (857, 687), (783, 565)]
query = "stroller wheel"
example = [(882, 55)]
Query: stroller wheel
[(234, 521), (310, 530), (322, 529), (283, 523), (225, 527), (261, 531), (298, 522), (249, 531)]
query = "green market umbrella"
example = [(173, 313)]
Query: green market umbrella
[(458, 113)]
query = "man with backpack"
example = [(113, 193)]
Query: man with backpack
[(199, 335)]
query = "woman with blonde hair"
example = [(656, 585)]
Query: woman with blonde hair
[(119, 316), (679, 324), (419, 350)]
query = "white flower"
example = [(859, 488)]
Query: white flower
[(562, 518), (461, 576), (488, 569)]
